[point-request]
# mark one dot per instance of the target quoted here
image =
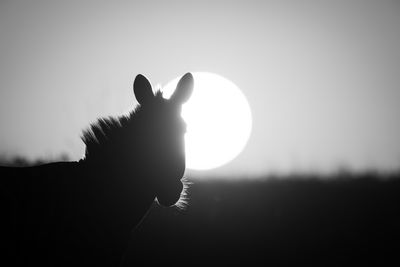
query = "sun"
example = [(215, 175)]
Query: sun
[(218, 119)]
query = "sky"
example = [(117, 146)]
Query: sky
[(321, 77)]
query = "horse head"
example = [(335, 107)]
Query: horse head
[(165, 154)]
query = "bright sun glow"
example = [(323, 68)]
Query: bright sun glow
[(218, 120)]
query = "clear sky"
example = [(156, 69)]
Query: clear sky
[(322, 77)]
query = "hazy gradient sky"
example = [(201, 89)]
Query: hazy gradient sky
[(322, 77)]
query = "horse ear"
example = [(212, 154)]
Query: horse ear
[(184, 89), (142, 89)]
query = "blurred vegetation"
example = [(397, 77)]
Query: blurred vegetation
[(19, 161), (276, 220), (351, 219)]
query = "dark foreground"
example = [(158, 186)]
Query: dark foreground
[(348, 220), (345, 220)]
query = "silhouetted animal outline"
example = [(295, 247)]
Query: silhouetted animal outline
[(70, 213)]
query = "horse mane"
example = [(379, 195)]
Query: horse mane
[(108, 131)]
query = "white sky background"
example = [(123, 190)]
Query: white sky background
[(322, 77)]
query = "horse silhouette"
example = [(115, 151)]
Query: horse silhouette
[(75, 213)]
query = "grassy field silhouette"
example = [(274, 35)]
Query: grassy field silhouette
[(348, 219), (341, 219)]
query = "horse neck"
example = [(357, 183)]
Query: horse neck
[(131, 191)]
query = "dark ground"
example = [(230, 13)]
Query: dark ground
[(340, 220), (345, 220)]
